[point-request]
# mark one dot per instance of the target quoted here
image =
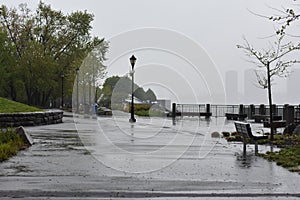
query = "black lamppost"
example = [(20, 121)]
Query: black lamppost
[(62, 89), (77, 92), (132, 62)]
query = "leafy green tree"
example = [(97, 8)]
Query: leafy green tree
[(45, 44), (8, 77), (3, 61)]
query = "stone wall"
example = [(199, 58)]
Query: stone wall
[(31, 118)]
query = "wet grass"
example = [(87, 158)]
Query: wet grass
[(281, 141), (146, 111), (149, 113), (8, 106), (289, 155), (10, 144), (288, 158)]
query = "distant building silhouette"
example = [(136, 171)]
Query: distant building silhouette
[(293, 82), (231, 87), (164, 103), (253, 93)]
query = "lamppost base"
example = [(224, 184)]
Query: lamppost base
[(132, 120)]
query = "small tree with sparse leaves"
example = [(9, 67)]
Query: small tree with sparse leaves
[(271, 62)]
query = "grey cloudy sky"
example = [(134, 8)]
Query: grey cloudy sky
[(217, 26)]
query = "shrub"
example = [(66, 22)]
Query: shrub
[(10, 144), (234, 133), (226, 134)]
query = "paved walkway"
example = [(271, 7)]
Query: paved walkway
[(59, 166)]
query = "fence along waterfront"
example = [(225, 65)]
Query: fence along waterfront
[(250, 110)]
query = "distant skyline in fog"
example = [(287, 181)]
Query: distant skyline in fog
[(217, 26), (255, 94)]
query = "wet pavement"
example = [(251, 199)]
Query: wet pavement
[(109, 158)]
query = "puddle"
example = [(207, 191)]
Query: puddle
[(21, 168)]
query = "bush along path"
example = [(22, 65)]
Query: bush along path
[(10, 143), (289, 155), (13, 139)]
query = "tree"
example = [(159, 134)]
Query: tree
[(150, 96), (273, 61), (107, 90), (4, 62), (92, 71), (45, 44), (285, 19), (117, 89), (140, 94)]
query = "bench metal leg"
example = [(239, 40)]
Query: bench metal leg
[(244, 148), (256, 147)]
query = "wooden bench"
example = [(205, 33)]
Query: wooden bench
[(244, 130), (233, 116), (276, 124), (262, 118), (259, 118)]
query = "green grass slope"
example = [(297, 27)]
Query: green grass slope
[(8, 106)]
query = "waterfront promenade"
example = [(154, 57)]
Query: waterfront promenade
[(188, 166)]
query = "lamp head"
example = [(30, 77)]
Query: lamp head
[(132, 61)]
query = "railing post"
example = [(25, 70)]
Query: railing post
[(241, 109), (173, 110), (289, 114), (297, 115), (207, 110), (274, 108), (262, 110), (252, 111), (284, 111)]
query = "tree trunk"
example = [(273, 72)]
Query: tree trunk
[(270, 102), (46, 97), (13, 93)]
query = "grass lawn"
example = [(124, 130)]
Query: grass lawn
[(288, 157), (8, 106), (10, 144)]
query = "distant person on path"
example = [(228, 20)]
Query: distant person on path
[(95, 108)]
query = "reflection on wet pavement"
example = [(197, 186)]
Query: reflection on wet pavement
[(190, 161)]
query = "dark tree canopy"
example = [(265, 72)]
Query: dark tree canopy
[(117, 89), (44, 43), (150, 95)]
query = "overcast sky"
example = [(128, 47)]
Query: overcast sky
[(217, 26)]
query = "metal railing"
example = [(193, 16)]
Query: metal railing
[(221, 110)]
